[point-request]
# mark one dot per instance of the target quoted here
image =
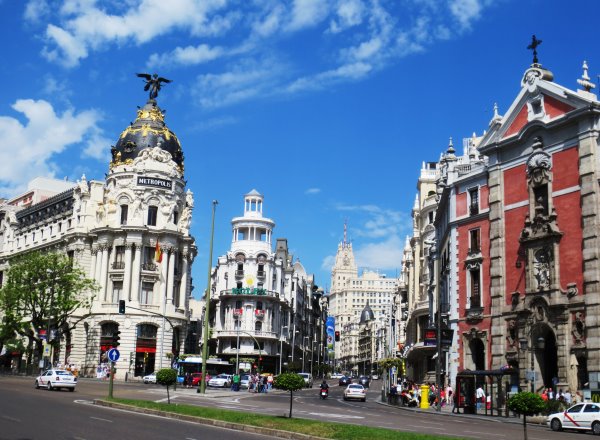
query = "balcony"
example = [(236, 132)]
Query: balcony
[(260, 314), (260, 274), (149, 266), (250, 291), (237, 313), (239, 273), (118, 265)]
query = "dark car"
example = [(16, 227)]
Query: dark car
[(344, 380), (364, 381)]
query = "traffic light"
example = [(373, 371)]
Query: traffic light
[(122, 306), (116, 337), (337, 336)]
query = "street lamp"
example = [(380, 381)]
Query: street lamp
[(281, 345), (303, 351), (539, 344)]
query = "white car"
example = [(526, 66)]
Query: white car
[(336, 375), (308, 379), (245, 381), (355, 391), (150, 378), (56, 379), (582, 417), (221, 380)]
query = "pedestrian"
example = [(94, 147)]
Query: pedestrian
[(449, 392), (455, 404), (480, 396), (270, 382), (236, 382), (550, 394), (568, 397)]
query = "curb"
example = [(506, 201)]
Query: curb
[(217, 423), (533, 420)]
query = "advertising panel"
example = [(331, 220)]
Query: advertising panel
[(330, 331)]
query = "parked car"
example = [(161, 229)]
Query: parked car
[(582, 417), (56, 379), (336, 375), (221, 380), (355, 391), (150, 378), (196, 378), (344, 380), (308, 379), (245, 381), (364, 381)]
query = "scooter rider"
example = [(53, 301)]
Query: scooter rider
[(324, 385)]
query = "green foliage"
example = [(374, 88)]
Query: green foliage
[(554, 406), (289, 382), (166, 377), (526, 403), (294, 367), (41, 290), (388, 363)]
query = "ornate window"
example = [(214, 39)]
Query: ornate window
[(474, 201), (152, 215), (146, 294), (124, 211), (117, 291)]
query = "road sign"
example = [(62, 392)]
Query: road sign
[(113, 355)]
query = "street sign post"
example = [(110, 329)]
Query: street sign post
[(113, 355)]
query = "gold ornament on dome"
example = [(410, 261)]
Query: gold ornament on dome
[(154, 114), (117, 162), (145, 129)]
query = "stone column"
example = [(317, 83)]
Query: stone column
[(183, 287), (102, 276), (134, 295), (93, 263), (171, 276), (497, 288), (163, 267), (588, 162), (127, 272)]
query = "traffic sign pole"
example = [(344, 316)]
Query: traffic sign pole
[(110, 380)]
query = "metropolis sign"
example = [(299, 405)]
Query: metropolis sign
[(154, 181)]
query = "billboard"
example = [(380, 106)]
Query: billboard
[(330, 332)]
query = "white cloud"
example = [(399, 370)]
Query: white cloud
[(328, 263), (36, 10), (189, 55), (465, 11), (26, 149), (312, 191), (385, 255), (307, 13), (349, 14)]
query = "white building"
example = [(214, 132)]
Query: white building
[(350, 294), (262, 297), (111, 230)]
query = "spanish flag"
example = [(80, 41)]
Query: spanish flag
[(157, 253)]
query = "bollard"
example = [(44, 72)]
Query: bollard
[(424, 397)]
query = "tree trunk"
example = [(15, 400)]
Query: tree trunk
[(291, 400), (524, 427)]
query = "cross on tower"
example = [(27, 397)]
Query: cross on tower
[(533, 46)]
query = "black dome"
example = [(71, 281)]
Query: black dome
[(147, 131), (367, 314)]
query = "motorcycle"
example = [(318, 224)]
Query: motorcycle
[(324, 393)]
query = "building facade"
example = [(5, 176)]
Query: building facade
[(517, 272), (113, 230), (267, 309), (349, 295)]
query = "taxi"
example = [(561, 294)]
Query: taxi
[(56, 379)]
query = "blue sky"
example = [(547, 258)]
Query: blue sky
[(327, 107)]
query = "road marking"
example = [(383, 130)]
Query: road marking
[(336, 416), (12, 419), (164, 400), (84, 402), (189, 438), (486, 433), (102, 420)]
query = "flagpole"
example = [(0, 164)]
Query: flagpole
[(202, 387)]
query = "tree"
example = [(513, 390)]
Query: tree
[(42, 291), (166, 377), (527, 404), (289, 382)]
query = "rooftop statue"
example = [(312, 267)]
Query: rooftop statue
[(153, 83)]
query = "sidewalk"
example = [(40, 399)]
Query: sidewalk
[(447, 411)]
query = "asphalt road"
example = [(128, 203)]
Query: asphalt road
[(29, 413)]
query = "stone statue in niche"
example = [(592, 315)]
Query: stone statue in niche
[(539, 312), (184, 221), (511, 337), (189, 198), (99, 212), (578, 331), (541, 269)]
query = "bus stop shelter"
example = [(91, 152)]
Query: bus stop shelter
[(467, 382)]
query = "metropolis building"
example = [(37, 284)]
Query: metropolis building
[(113, 229)]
